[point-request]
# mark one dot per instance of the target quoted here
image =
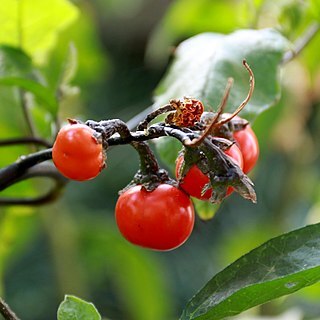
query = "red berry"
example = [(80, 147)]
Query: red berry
[(162, 219), (194, 181), (76, 153), (249, 146)]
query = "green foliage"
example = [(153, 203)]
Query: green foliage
[(16, 70), (205, 209), (168, 150), (215, 58), (220, 16), (14, 62), (279, 267), (29, 25), (73, 308), (42, 93), (134, 282)]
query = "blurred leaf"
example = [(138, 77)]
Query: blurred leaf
[(32, 26), (73, 308), (205, 209), (168, 150), (279, 267), (14, 62), (70, 66), (87, 44), (315, 9), (291, 16), (186, 18), (203, 64), (65, 90), (16, 70), (42, 93), (44, 122)]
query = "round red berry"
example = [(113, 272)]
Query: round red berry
[(161, 219), (77, 153), (249, 146), (195, 180)]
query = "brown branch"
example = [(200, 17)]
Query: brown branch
[(45, 170), (6, 312), (144, 124), (25, 140), (14, 171)]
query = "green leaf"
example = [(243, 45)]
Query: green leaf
[(14, 62), (16, 70), (221, 16), (315, 9), (68, 72), (70, 66), (205, 209), (73, 308), (44, 94), (33, 26), (279, 267), (203, 64), (168, 150)]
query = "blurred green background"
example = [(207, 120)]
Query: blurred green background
[(73, 246)]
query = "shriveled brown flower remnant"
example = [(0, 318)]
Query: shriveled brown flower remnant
[(188, 112)]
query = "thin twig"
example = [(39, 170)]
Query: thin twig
[(301, 42), (134, 122), (26, 113), (144, 124), (45, 170), (6, 312), (25, 140)]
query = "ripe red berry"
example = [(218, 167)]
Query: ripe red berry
[(194, 181), (162, 219), (76, 153), (249, 146)]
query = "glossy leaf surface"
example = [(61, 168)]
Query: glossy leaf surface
[(279, 267)]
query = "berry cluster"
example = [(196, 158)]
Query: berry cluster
[(244, 152), (155, 211)]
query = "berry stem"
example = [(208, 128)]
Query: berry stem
[(25, 140), (148, 161), (144, 124)]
